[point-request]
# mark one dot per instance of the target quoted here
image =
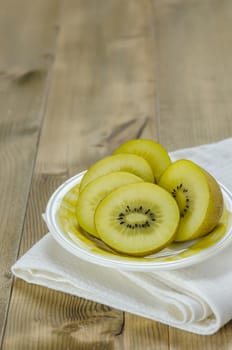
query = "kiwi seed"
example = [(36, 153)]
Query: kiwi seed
[(181, 189), (198, 196), (146, 222)]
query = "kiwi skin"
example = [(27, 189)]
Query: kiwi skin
[(153, 152), (131, 163), (94, 192), (214, 209), (216, 205)]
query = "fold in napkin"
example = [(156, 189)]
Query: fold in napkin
[(197, 299)]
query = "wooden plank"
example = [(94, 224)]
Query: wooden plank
[(140, 333), (221, 340), (101, 93), (194, 60), (103, 87), (24, 61), (194, 55), (43, 319), (53, 321)]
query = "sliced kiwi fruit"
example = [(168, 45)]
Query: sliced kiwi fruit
[(198, 195), (94, 192), (137, 219), (155, 154), (121, 162)]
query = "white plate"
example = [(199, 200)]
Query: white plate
[(61, 221)]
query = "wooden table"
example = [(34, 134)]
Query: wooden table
[(78, 77)]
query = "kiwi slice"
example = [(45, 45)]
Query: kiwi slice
[(137, 219), (94, 192), (121, 162), (155, 154), (198, 195)]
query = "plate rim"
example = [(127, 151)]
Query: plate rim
[(80, 252)]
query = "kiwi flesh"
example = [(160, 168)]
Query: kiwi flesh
[(137, 219), (198, 195), (120, 162), (155, 154), (94, 192)]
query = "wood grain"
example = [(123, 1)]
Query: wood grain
[(194, 61), (102, 83), (101, 93), (23, 76), (222, 340), (54, 320), (77, 78), (141, 333), (193, 49)]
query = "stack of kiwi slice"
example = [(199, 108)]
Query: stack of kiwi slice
[(137, 201)]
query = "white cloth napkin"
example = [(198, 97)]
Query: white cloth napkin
[(197, 299)]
